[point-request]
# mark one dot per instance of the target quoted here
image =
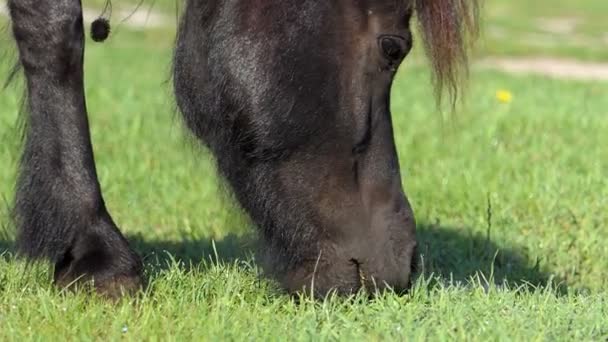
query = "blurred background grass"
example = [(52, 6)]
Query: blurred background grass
[(559, 28)]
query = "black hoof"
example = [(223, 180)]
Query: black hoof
[(112, 272), (106, 279)]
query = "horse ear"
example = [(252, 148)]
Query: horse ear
[(448, 29)]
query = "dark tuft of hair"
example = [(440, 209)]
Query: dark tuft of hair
[(100, 29)]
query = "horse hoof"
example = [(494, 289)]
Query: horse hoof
[(112, 288), (106, 279)]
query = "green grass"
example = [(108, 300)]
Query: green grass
[(524, 28), (510, 198)]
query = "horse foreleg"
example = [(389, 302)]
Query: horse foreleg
[(60, 213)]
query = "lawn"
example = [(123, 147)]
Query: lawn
[(510, 198), (559, 28)]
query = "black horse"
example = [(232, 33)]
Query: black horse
[(292, 98)]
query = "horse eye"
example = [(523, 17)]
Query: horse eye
[(394, 48)]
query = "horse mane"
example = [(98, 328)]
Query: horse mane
[(448, 29)]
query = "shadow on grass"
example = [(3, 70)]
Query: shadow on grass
[(457, 254), (6, 246), (448, 252), (451, 253), (160, 254)]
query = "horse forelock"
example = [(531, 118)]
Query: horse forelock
[(448, 29)]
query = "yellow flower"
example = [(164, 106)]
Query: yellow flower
[(504, 96)]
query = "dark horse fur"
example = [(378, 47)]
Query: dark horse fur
[(293, 99)]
